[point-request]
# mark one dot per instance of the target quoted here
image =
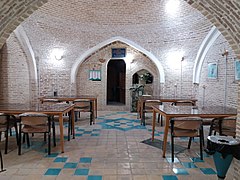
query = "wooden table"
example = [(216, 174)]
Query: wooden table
[(142, 100), (50, 109), (71, 98), (184, 111)]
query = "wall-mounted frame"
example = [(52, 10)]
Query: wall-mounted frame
[(95, 75), (118, 52), (212, 70), (237, 69)]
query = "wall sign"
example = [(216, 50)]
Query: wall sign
[(237, 69), (95, 75), (212, 70), (118, 52)]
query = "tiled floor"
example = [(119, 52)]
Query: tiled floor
[(111, 149)]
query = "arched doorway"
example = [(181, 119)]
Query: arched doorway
[(116, 77)]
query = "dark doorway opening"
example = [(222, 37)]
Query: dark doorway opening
[(116, 75)]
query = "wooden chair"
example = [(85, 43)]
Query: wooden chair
[(34, 123), (83, 105), (148, 108), (205, 122), (224, 126), (6, 123), (66, 117), (186, 127)]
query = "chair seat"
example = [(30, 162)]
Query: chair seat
[(33, 122), (186, 127), (185, 132)]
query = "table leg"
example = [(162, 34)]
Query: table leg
[(91, 111), (61, 132), (143, 114), (153, 123), (167, 119), (73, 122), (95, 109)]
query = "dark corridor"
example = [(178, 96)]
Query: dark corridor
[(116, 75)]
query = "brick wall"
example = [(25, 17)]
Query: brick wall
[(213, 97), (15, 84)]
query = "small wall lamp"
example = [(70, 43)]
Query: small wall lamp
[(57, 53)]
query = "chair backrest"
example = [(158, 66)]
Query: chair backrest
[(82, 103), (34, 119), (229, 122), (183, 103), (225, 126), (150, 103), (52, 101), (190, 123)]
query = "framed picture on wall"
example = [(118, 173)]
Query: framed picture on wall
[(237, 69), (95, 75), (212, 70)]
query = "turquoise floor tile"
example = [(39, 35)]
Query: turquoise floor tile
[(94, 134), (85, 160), (208, 171), (169, 177), (52, 172), (189, 165), (78, 135), (196, 159), (176, 160), (94, 178), (52, 155), (121, 112), (70, 165), (180, 171), (81, 172), (60, 159), (87, 132)]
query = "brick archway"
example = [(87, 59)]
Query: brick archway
[(13, 13), (225, 16)]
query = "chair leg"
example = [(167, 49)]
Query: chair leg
[(172, 147), (49, 143), (69, 128), (172, 140), (28, 141), (201, 143), (19, 141), (1, 160), (16, 130), (70, 123), (189, 142), (76, 116), (49, 136), (45, 137), (6, 143), (54, 133), (10, 131)]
